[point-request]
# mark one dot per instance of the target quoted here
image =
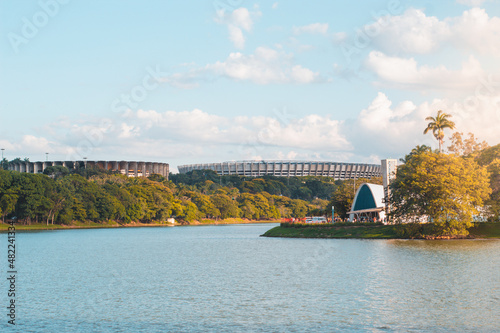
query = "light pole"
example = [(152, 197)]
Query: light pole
[(46, 156), (85, 162), (1, 163)]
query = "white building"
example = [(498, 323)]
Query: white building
[(371, 201), (368, 204)]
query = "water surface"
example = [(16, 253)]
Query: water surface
[(228, 279)]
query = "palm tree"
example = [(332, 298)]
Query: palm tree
[(438, 124), (416, 151)]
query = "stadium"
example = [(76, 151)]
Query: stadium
[(335, 170)]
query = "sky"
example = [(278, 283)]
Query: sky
[(187, 82)]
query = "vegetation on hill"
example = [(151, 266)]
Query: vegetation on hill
[(62, 197), (304, 188)]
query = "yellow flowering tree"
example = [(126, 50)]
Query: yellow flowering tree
[(447, 190)]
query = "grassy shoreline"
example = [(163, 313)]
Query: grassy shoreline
[(480, 230), (113, 224)]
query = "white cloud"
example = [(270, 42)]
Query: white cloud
[(477, 114), (313, 28), (150, 134), (411, 32), (385, 130), (128, 131), (415, 32), (379, 116), (236, 36), (32, 147), (33, 143), (237, 21), (312, 131), (392, 131), (6, 145), (300, 74), (476, 30), (275, 5), (406, 74), (263, 67)]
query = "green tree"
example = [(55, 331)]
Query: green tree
[(56, 171), (225, 205), (494, 200), (57, 198), (446, 189), (31, 202), (190, 211), (437, 126), (299, 208), (205, 206), (8, 195), (415, 151), (4, 164)]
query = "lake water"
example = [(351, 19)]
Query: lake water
[(228, 279)]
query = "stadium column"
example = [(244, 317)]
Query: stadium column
[(135, 169)]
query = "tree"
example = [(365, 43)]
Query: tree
[(494, 200), (31, 201), (56, 171), (447, 189), (299, 208), (205, 207), (465, 147), (438, 124), (415, 151), (4, 164), (225, 205)]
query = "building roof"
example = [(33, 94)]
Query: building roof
[(369, 197)]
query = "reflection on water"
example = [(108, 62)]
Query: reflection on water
[(228, 279), (443, 245)]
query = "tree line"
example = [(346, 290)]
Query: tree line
[(60, 197)]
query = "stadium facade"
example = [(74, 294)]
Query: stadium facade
[(335, 170), (128, 168)]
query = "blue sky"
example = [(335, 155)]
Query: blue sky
[(190, 81)]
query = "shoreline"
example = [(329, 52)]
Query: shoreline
[(479, 231), (109, 225)]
